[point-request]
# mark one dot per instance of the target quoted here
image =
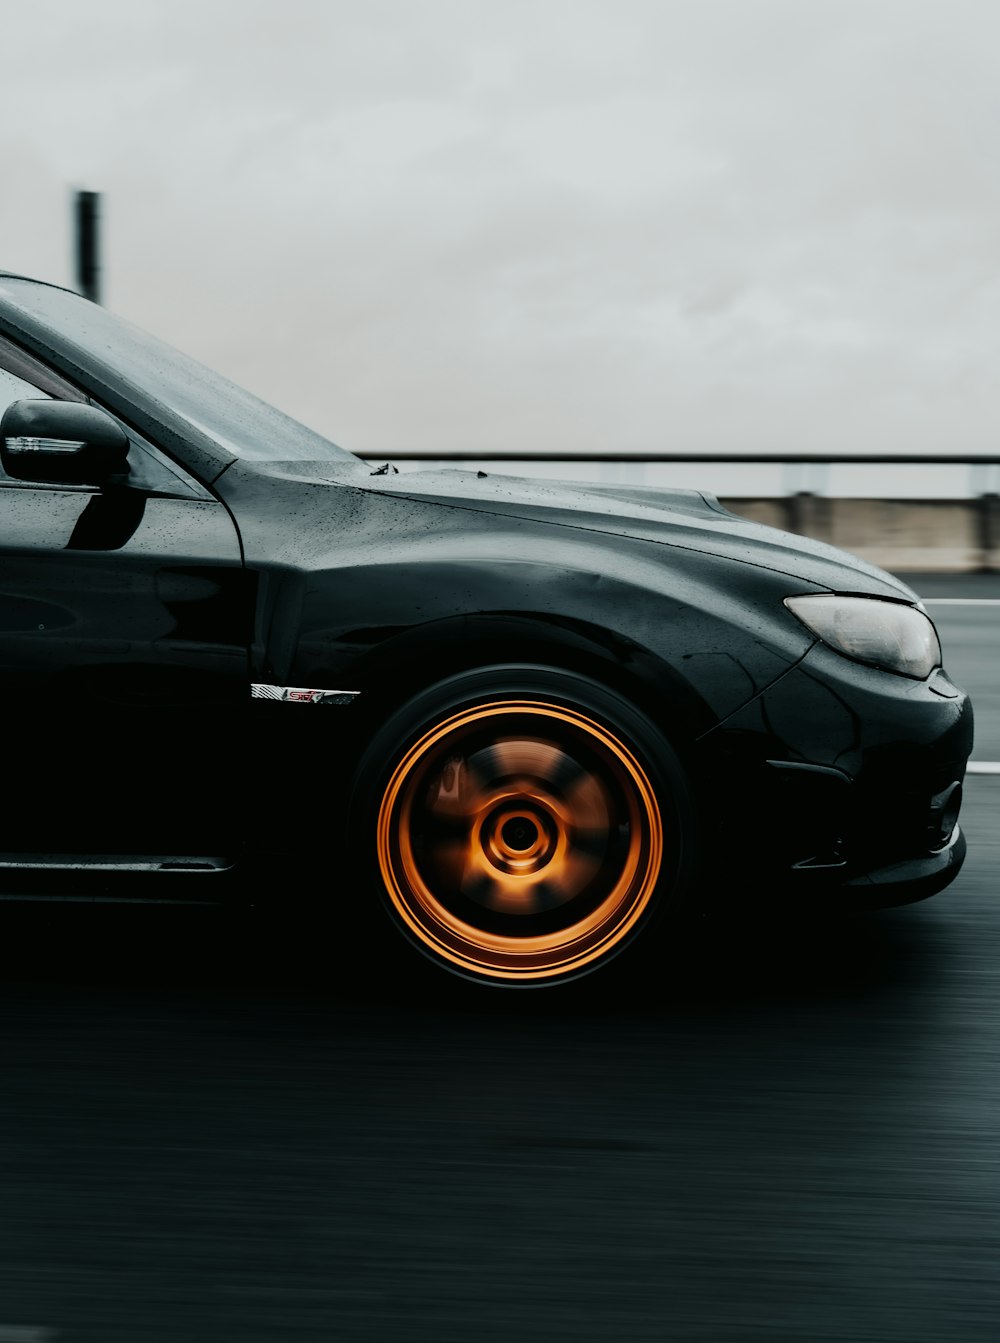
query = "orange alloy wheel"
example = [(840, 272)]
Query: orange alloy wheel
[(520, 841)]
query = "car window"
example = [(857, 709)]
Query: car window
[(13, 388), (149, 469), (238, 421)]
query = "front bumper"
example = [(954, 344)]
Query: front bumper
[(839, 782), (910, 879)]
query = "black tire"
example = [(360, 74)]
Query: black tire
[(523, 825)]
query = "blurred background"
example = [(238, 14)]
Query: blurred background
[(761, 236), (547, 225)]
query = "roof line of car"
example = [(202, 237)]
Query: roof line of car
[(31, 279)]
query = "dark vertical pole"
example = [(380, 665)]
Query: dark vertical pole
[(88, 267)]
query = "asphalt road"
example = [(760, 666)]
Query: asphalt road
[(794, 1134)]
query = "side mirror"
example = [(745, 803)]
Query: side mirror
[(61, 442)]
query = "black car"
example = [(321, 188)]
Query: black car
[(537, 723)]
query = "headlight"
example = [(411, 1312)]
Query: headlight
[(890, 635)]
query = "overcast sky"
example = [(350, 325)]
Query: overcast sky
[(602, 225)]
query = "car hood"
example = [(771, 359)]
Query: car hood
[(690, 519)]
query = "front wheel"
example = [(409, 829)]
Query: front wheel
[(524, 824)]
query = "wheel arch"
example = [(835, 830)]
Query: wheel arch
[(409, 662)]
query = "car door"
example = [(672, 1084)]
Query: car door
[(125, 618)]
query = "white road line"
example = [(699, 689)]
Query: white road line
[(983, 767)]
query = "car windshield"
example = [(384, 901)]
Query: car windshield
[(236, 419)]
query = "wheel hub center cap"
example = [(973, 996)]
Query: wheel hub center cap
[(519, 833), (518, 839)]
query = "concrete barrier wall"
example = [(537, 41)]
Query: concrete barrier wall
[(951, 535)]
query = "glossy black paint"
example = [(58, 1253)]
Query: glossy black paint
[(135, 618)]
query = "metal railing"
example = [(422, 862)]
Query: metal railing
[(951, 475)]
